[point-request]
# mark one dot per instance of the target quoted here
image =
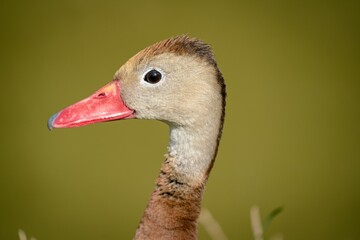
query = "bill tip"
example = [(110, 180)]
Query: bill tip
[(50, 123)]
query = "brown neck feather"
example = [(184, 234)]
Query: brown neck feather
[(173, 208)]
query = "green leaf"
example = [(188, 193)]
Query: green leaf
[(270, 217)]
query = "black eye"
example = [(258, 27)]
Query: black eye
[(153, 76)]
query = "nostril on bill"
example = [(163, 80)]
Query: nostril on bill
[(101, 95)]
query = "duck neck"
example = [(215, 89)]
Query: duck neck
[(175, 203)]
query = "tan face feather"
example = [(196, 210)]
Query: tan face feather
[(180, 57)]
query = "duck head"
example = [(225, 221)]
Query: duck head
[(176, 81)]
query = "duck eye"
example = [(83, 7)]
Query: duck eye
[(153, 76)]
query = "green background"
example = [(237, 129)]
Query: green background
[(291, 134)]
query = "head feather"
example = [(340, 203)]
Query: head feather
[(179, 45)]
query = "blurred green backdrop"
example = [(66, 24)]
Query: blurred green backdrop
[(292, 127)]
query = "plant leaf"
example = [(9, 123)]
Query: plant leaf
[(270, 217)]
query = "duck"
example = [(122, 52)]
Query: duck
[(176, 81)]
